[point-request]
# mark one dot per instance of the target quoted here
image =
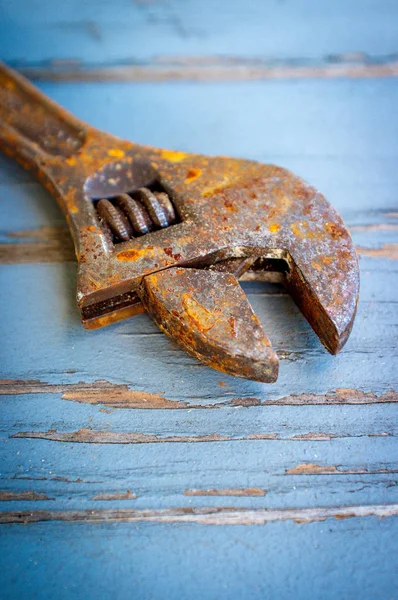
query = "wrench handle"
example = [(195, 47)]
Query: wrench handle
[(33, 128)]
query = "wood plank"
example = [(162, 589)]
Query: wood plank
[(301, 456), (204, 516), (279, 559), (138, 31), (121, 396)]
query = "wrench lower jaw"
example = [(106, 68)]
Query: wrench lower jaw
[(208, 314)]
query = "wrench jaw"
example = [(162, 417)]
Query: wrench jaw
[(331, 321), (208, 314)]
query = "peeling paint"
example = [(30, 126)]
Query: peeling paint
[(385, 251), (90, 436), (315, 469), (7, 496), (216, 69), (121, 396), (251, 491), (218, 515), (115, 496)]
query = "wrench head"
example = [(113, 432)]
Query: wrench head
[(229, 210)]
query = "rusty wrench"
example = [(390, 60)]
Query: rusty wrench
[(172, 232)]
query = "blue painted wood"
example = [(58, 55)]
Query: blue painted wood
[(320, 560), (97, 32), (341, 136)]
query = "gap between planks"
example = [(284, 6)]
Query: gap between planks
[(218, 68), (89, 436), (202, 516), (115, 395)]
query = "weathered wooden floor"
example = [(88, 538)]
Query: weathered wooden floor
[(127, 468)]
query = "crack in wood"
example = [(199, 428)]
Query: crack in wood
[(219, 69), (53, 244), (115, 496), (315, 469), (389, 251), (239, 492), (7, 496), (203, 516), (89, 436), (121, 396)]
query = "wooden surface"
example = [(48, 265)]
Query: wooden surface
[(128, 469)]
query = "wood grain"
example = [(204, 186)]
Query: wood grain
[(203, 516), (121, 396), (88, 436), (112, 494), (219, 69)]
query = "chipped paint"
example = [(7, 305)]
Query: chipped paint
[(315, 469), (9, 496), (91, 436), (389, 251), (214, 515), (121, 396), (238, 492), (115, 496)]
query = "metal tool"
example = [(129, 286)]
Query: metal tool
[(171, 233)]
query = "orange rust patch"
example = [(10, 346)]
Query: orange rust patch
[(322, 261), (304, 230), (116, 153), (218, 188), (193, 174), (132, 254), (334, 230), (274, 227), (203, 319), (172, 155), (114, 317)]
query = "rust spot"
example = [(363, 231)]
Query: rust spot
[(132, 254), (116, 153), (193, 174), (274, 227), (172, 155), (336, 231), (214, 190), (229, 205), (203, 319)]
